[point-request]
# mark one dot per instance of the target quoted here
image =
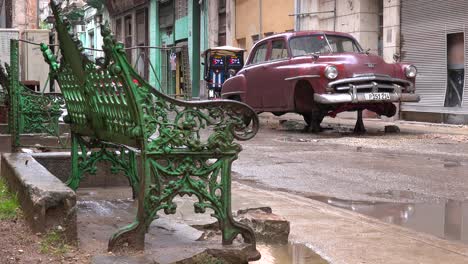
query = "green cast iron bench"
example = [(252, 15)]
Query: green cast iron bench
[(183, 148)]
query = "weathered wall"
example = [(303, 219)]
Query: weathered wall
[(247, 22), (276, 17), (25, 14), (391, 29), (257, 17), (360, 18), (213, 23)]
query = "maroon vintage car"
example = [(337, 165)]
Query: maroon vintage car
[(317, 74)]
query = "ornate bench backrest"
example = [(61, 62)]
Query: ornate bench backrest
[(101, 100)]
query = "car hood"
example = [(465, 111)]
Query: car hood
[(359, 63)]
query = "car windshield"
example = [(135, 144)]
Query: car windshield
[(322, 44)]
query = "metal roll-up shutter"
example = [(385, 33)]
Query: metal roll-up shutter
[(424, 28)]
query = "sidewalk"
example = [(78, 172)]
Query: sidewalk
[(375, 125), (342, 236), (338, 235)]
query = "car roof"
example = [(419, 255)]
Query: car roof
[(289, 35)]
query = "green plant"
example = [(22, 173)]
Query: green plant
[(53, 242), (8, 203)]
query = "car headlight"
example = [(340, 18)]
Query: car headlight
[(331, 72), (411, 71)]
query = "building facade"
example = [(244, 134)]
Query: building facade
[(180, 31), (89, 31), (434, 39), (361, 18), (256, 19)]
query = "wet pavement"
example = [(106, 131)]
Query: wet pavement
[(448, 220), (102, 210), (416, 180)]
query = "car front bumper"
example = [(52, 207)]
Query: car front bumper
[(338, 98)]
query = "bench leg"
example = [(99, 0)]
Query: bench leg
[(76, 173), (229, 227), (133, 235)]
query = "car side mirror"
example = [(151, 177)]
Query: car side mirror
[(367, 51), (396, 57)]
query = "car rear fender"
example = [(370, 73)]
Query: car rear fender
[(234, 86)]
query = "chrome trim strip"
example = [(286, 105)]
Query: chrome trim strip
[(301, 77), (360, 98)]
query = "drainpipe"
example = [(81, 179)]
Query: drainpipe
[(334, 17), (297, 8), (260, 15)]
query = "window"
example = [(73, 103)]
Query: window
[(91, 39), (255, 38), (128, 33), (181, 8), (320, 44), (260, 54), (455, 70), (278, 50), (118, 29), (241, 43), (222, 23), (142, 40), (166, 14), (342, 44), (222, 5)]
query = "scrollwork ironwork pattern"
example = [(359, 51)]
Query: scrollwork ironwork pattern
[(86, 155)]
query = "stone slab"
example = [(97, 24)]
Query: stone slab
[(45, 201), (269, 228)]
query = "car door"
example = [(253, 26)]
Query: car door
[(254, 73), (276, 71)]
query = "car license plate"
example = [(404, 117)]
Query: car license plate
[(377, 96)]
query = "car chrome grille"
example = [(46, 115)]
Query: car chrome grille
[(370, 83)]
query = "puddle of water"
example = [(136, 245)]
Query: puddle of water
[(292, 253), (448, 220), (103, 207)]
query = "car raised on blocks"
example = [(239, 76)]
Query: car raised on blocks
[(318, 74)]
